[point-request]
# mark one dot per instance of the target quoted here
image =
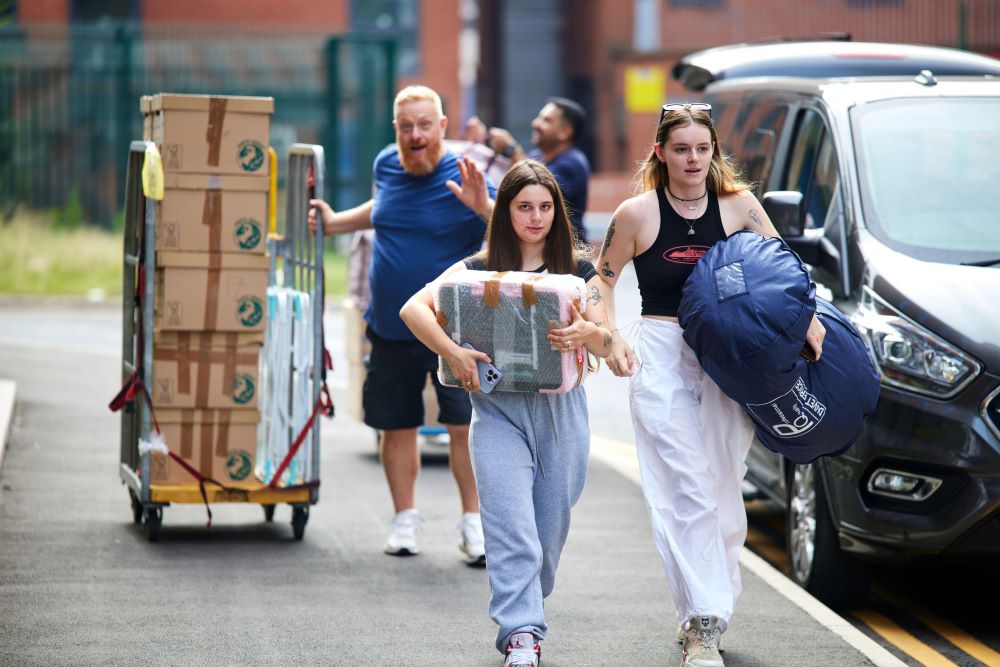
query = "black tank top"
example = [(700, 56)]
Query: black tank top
[(663, 268)]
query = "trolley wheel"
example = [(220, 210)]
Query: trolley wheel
[(268, 512), (154, 517), (136, 507), (300, 515)]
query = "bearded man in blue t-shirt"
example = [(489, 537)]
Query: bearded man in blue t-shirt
[(429, 211)]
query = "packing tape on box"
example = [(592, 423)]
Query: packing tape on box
[(205, 356), (206, 448), (187, 433), (211, 217), (229, 365), (222, 434), (212, 293), (528, 295), (184, 363), (213, 134)]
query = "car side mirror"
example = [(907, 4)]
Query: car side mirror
[(784, 208)]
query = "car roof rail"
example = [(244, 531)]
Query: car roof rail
[(827, 59), (833, 36)]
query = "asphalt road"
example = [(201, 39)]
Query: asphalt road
[(80, 585)]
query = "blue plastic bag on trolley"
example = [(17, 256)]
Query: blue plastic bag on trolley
[(745, 310)]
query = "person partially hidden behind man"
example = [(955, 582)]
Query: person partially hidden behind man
[(555, 132), (424, 222)]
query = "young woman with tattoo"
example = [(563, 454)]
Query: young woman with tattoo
[(691, 439)]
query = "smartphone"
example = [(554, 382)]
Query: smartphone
[(489, 374)]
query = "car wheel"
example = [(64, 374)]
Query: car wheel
[(817, 563)]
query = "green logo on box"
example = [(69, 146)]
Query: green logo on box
[(247, 233), (243, 388), (238, 464), (250, 311), (251, 155)]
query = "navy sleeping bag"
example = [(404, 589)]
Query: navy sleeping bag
[(745, 310)]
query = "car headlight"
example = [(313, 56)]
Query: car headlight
[(909, 356)]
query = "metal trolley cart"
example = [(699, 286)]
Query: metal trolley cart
[(288, 454)]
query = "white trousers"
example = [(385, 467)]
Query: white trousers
[(692, 442)]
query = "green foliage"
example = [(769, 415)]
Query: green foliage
[(71, 216), (38, 256)]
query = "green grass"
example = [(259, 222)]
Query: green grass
[(39, 259)]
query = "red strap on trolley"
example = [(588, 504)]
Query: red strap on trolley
[(323, 401), (125, 395)]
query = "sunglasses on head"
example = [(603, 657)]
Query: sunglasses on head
[(686, 106)]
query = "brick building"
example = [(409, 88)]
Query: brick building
[(502, 58)]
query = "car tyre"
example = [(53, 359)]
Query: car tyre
[(817, 563)]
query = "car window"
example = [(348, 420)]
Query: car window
[(753, 140), (813, 168)]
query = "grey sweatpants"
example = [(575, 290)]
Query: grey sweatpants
[(529, 454)]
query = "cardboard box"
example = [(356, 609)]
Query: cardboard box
[(357, 348), (213, 213), (206, 370), (220, 444), (210, 292), (212, 135), (146, 108)]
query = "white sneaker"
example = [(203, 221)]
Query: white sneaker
[(471, 540), (523, 650), (402, 540), (701, 643), (682, 635)]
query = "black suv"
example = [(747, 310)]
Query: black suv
[(879, 164)]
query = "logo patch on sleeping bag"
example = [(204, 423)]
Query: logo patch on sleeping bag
[(791, 414)]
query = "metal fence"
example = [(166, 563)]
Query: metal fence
[(69, 102)]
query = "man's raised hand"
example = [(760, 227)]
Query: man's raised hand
[(472, 192)]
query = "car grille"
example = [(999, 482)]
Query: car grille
[(991, 411)]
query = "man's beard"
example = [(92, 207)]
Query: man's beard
[(542, 142), (425, 162)]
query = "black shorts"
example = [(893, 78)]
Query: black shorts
[(393, 391)]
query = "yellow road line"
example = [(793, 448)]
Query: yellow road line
[(943, 627), (902, 639)]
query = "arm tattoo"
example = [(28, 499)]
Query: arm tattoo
[(595, 295), (607, 237), (606, 270), (754, 218), (607, 339)]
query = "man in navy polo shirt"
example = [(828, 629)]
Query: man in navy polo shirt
[(428, 212), (555, 131)]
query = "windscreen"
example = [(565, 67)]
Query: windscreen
[(929, 172)]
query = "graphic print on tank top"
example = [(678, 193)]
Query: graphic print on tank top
[(685, 254)]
